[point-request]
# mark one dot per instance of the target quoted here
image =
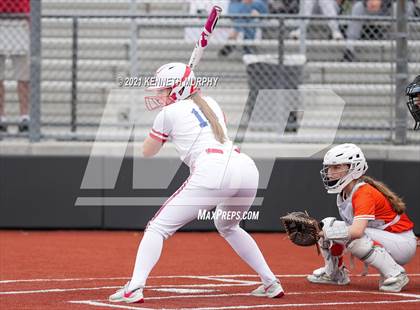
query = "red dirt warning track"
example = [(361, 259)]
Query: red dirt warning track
[(79, 269)]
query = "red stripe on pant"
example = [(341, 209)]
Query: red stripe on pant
[(169, 200)]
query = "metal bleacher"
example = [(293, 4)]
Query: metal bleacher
[(103, 54)]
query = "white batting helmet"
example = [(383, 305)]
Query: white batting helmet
[(177, 77), (349, 154)]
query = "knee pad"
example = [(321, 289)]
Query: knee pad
[(362, 248), (332, 253), (376, 256)]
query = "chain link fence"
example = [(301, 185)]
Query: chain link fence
[(14, 65), (89, 51)]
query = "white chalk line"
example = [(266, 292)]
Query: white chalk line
[(221, 278), (302, 305), (176, 276), (231, 282), (214, 278), (287, 293), (62, 280), (298, 275), (60, 290), (226, 280), (55, 290), (182, 290), (103, 304)]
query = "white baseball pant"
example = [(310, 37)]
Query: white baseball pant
[(228, 181)]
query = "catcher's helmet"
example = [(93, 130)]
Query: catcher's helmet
[(178, 78), (349, 154), (413, 103)]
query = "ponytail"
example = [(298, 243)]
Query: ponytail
[(397, 203), (217, 129)]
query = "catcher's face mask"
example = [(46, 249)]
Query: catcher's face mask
[(333, 175), (413, 103), (347, 157)]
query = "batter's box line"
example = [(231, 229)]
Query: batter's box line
[(226, 280), (175, 277), (103, 303), (222, 278), (73, 289)]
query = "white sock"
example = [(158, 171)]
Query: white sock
[(2, 119), (147, 256), (24, 117), (246, 247)]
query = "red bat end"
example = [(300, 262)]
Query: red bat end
[(204, 37), (213, 18)]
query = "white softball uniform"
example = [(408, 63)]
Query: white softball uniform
[(186, 127), (219, 173), (220, 176)]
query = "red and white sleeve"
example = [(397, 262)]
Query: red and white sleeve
[(161, 128)]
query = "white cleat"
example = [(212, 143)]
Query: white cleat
[(319, 276), (124, 295), (274, 290), (381, 280), (394, 284)]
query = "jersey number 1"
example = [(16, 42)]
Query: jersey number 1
[(203, 123)]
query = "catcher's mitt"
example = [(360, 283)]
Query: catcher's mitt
[(301, 228)]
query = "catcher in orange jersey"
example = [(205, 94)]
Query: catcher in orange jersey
[(374, 229)]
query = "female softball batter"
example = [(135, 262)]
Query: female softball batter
[(220, 176), (374, 229)]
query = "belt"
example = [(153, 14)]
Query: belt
[(220, 151)]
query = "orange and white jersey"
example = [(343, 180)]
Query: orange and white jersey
[(185, 125), (366, 202)]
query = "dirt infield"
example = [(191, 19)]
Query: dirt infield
[(79, 269)]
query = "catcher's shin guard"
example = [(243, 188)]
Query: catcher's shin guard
[(334, 271), (333, 256), (375, 255)]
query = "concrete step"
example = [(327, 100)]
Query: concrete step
[(376, 90), (372, 96), (113, 7), (378, 51), (109, 28)]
